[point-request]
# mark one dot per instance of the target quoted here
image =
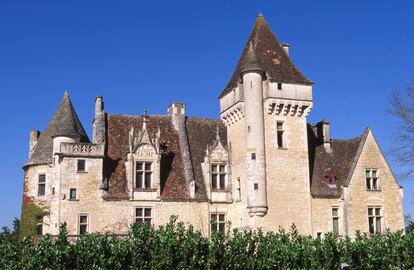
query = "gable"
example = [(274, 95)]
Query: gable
[(369, 155)]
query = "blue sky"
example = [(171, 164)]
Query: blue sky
[(148, 54)]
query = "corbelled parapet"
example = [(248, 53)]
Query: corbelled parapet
[(177, 113)]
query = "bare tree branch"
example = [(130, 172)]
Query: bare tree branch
[(402, 151)]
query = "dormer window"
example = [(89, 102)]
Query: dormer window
[(331, 176), (144, 175), (218, 177)]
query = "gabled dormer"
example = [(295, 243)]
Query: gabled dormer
[(217, 171), (143, 163)]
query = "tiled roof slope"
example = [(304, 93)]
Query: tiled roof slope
[(173, 183), (273, 58), (65, 122), (202, 132), (339, 160)]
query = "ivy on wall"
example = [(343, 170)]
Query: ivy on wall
[(31, 214)]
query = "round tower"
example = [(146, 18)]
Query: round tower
[(252, 76)]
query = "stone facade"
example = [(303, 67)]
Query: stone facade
[(261, 165)]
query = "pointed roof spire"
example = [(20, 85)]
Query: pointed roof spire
[(250, 62), (272, 58), (260, 14), (65, 122)]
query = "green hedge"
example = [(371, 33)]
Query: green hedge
[(175, 246)]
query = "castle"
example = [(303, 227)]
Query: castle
[(261, 165)]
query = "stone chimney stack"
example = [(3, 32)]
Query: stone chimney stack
[(34, 136), (177, 113), (99, 121), (285, 47), (324, 136)]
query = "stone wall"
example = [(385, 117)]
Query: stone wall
[(389, 197)]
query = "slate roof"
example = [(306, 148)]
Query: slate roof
[(201, 132), (340, 160), (273, 58), (65, 122)]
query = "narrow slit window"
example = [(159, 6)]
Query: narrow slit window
[(253, 156), (280, 134), (335, 220), (41, 188)]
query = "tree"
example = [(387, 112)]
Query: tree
[(402, 108), (409, 224)]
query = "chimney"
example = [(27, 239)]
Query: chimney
[(177, 113), (285, 47), (324, 136), (99, 121), (34, 136)]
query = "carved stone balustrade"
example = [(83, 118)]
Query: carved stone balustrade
[(82, 149)]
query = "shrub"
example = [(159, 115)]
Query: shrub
[(176, 246)]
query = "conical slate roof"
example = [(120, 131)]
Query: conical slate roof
[(250, 62), (273, 58), (65, 122)]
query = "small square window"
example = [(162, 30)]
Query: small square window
[(81, 165), (256, 186), (143, 215), (279, 86), (72, 194), (253, 156)]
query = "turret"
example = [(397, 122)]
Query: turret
[(252, 75), (66, 125)]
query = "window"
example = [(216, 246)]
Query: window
[(143, 177), (41, 190), (279, 86), (39, 226), (280, 131), (143, 215), (72, 194), (238, 189), (375, 220), (218, 176), (372, 179), (253, 156), (256, 186), (81, 165), (83, 224), (335, 220), (218, 222)]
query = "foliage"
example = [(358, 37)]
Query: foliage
[(409, 224), (176, 246), (31, 213)]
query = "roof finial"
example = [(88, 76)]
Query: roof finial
[(145, 120), (66, 94), (260, 14), (217, 133)]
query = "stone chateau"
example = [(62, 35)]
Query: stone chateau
[(260, 165)]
